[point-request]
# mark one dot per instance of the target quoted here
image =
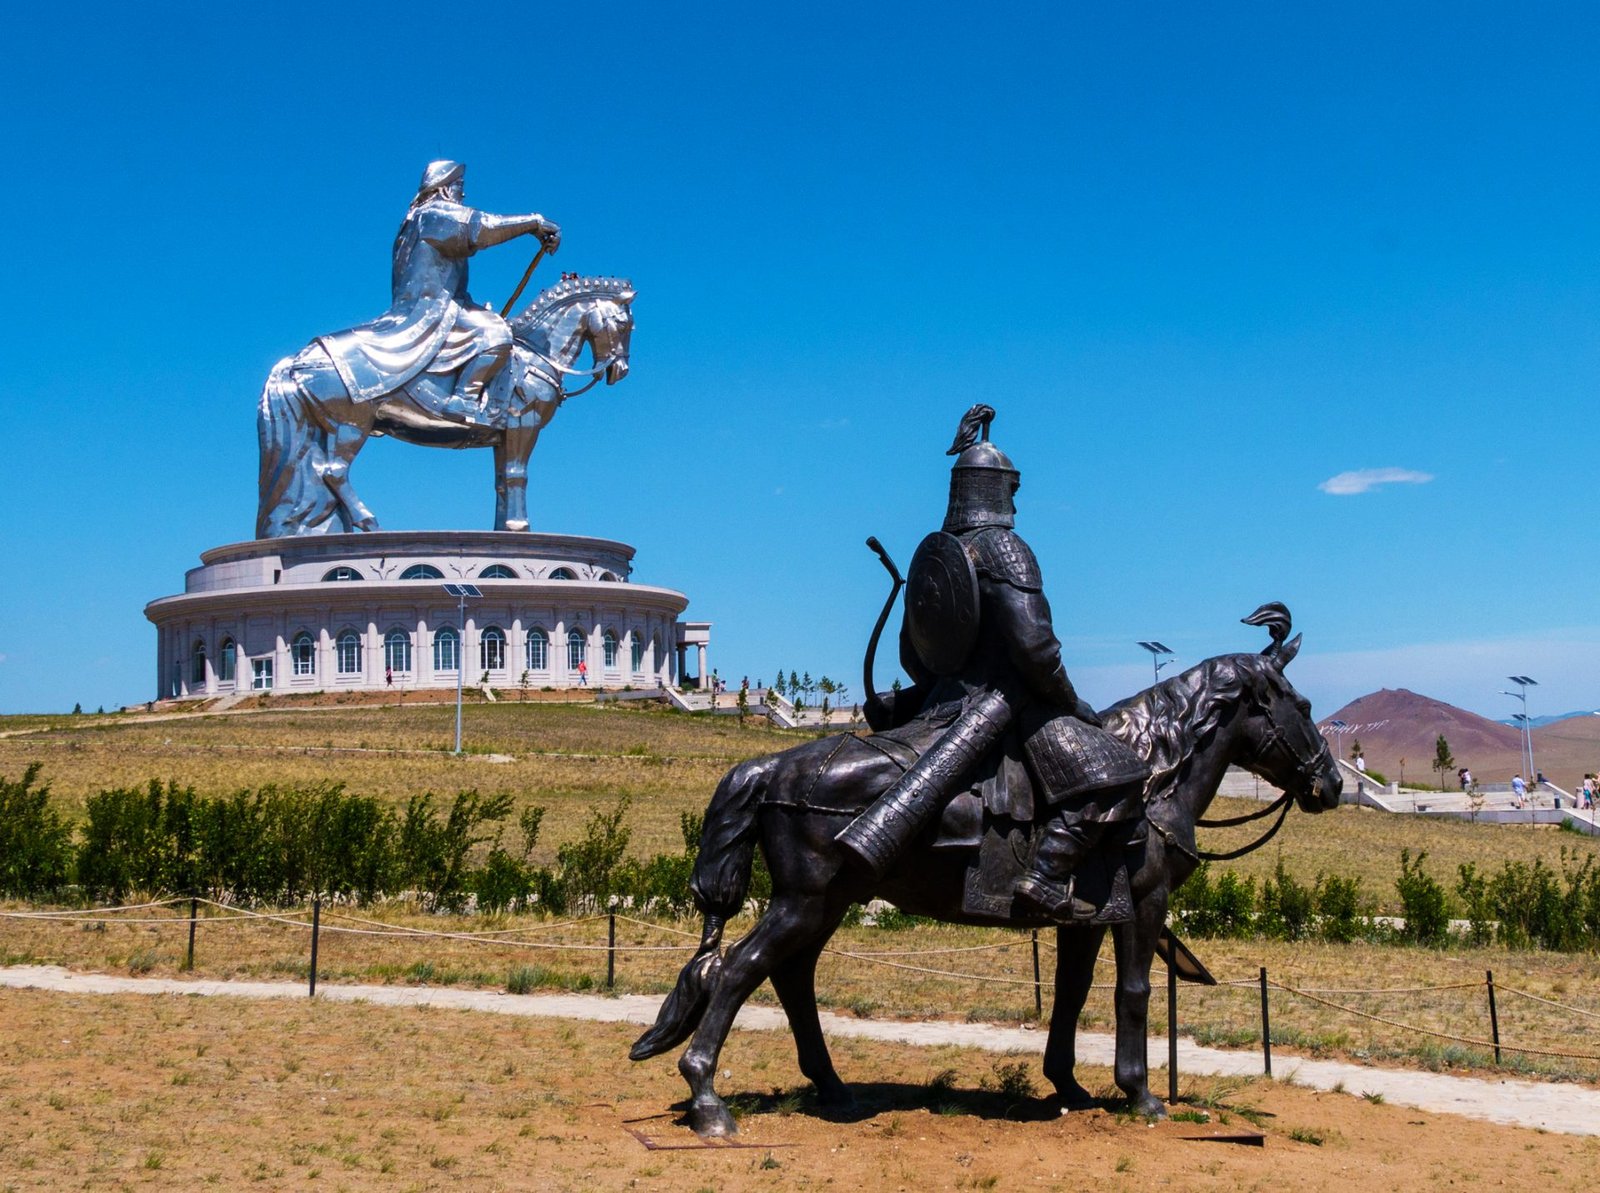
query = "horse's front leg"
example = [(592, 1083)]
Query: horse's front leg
[(1076, 951), (790, 922), (1135, 944), (511, 452)]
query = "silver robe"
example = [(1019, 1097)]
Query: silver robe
[(433, 325)]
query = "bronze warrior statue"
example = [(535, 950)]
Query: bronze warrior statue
[(977, 639)]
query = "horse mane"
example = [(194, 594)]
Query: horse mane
[(570, 290), (1167, 723)]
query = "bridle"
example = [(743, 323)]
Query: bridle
[(1306, 770), (559, 371)]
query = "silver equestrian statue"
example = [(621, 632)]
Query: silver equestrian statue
[(437, 369)]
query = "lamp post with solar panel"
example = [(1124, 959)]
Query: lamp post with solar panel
[(1156, 650), (1523, 683), (461, 592)]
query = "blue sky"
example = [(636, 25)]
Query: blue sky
[(1203, 260)]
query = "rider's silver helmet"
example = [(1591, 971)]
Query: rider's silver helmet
[(439, 175)]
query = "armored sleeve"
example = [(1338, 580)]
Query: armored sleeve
[(1023, 619), (449, 227)]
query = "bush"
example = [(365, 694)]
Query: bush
[(35, 846), (1222, 909), (1342, 914), (1423, 902), (1286, 907), (589, 864)]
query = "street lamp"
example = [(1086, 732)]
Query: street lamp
[(1523, 683), (461, 592), (1340, 728), (1156, 650)]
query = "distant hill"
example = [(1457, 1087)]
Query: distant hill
[(1394, 723)]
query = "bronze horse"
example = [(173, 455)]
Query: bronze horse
[(1236, 709)]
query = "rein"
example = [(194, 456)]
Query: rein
[(1283, 802)]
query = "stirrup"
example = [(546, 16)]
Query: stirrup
[(1057, 902)]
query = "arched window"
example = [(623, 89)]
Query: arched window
[(638, 653), (230, 661), (422, 571), (397, 650), (497, 571), (537, 651), (341, 573), (563, 574), (492, 649), (303, 654), (197, 663), (574, 649), (446, 648), (609, 577), (608, 644), (348, 651)]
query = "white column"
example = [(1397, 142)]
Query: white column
[(705, 679)]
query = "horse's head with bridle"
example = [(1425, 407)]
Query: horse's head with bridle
[(551, 333), (1280, 741)]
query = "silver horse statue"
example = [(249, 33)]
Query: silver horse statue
[(311, 427)]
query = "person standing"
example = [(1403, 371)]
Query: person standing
[(1519, 790)]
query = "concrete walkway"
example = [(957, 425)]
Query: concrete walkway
[(1567, 1109)]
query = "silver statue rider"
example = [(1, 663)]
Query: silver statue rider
[(433, 325)]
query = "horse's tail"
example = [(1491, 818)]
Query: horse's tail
[(720, 882), (285, 441)]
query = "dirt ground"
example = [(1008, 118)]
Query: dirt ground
[(178, 1092)]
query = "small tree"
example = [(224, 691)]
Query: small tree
[(1355, 748), (77, 710), (743, 704), (522, 686), (1443, 760), (777, 684)]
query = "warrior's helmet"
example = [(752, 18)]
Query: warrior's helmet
[(983, 481), (436, 177)]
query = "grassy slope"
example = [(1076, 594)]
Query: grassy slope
[(574, 758)]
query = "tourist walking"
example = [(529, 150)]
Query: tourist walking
[(1519, 791)]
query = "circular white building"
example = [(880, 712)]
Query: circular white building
[(368, 611)]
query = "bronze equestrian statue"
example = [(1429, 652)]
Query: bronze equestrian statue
[(988, 794)]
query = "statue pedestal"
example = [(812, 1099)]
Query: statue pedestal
[(354, 612)]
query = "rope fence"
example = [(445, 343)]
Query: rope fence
[(314, 921)]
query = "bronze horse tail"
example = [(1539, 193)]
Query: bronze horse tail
[(877, 712), (720, 882)]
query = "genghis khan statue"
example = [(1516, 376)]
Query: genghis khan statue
[(992, 694)]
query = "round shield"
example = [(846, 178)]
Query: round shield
[(942, 603)]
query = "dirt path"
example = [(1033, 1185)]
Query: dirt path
[(1565, 1109)]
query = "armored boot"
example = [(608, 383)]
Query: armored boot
[(470, 399), (1048, 885)]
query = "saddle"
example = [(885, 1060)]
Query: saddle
[(994, 822)]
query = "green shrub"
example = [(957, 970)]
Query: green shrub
[(1342, 914), (589, 865), (1424, 903), (1286, 907), (35, 846), (1221, 908)]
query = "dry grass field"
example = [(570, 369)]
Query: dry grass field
[(134, 1092)]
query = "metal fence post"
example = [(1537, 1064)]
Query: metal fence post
[(194, 910), (1494, 1016), (1172, 1033), (316, 930), (1038, 984), (1266, 1025), (611, 950)]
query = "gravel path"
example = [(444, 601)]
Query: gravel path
[(1567, 1109)]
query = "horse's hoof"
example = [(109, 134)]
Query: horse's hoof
[(1073, 1096), (712, 1121), (1148, 1106), (835, 1095), (367, 524)]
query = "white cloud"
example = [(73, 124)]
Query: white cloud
[(1363, 479)]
